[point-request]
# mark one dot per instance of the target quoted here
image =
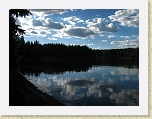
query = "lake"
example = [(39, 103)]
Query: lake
[(95, 86)]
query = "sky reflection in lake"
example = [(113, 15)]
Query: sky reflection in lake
[(99, 86)]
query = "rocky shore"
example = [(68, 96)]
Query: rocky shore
[(24, 93)]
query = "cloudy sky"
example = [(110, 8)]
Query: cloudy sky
[(95, 28)]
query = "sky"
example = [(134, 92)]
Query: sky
[(95, 28)]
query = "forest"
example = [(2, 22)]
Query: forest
[(58, 54)]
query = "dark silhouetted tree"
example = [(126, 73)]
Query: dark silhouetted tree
[(15, 33)]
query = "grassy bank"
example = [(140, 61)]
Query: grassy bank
[(24, 93)]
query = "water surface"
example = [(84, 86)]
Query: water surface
[(96, 86)]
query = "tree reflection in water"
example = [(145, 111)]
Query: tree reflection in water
[(96, 86)]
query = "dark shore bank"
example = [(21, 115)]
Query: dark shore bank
[(24, 93)]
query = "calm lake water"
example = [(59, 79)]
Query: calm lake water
[(97, 86)]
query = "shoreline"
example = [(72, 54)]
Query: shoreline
[(23, 93)]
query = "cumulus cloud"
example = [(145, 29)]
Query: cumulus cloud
[(42, 32), (67, 18), (37, 22), (99, 25), (72, 23), (78, 20), (25, 22), (34, 32), (129, 17), (34, 27), (42, 27), (73, 20), (127, 43), (79, 32), (53, 25), (110, 36), (60, 34), (37, 32), (72, 31), (47, 12)]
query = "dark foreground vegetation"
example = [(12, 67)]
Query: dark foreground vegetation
[(24, 93), (58, 56)]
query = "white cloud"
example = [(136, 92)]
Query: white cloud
[(127, 43), (98, 48), (129, 17), (125, 36), (72, 44), (51, 38), (25, 22), (34, 32), (72, 23), (73, 20), (90, 44), (134, 35), (110, 36), (104, 40), (46, 12), (97, 24), (79, 32), (101, 34), (37, 32), (61, 33), (67, 19), (53, 25), (37, 22), (38, 27), (42, 32), (33, 27), (78, 20)]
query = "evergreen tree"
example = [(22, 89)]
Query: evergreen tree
[(15, 34)]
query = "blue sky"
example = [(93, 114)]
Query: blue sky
[(95, 28)]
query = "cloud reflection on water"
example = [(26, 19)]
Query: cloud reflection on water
[(93, 87)]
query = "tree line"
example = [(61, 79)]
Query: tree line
[(126, 53), (34, 52)]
